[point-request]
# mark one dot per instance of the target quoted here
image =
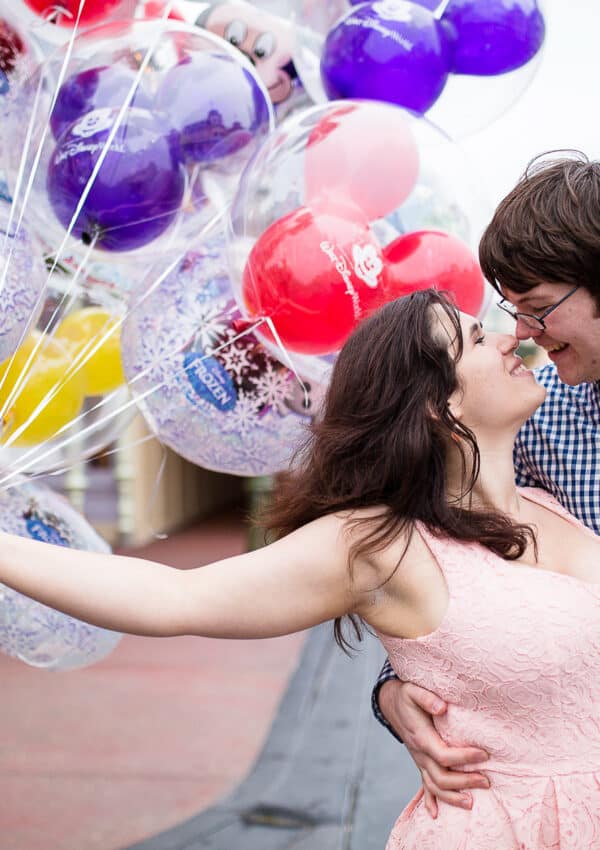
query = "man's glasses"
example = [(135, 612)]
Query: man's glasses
[(535, 322)]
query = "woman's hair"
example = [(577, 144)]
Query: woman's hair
[(547, 229), (381, 440)]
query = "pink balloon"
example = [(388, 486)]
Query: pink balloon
[(363, 152)]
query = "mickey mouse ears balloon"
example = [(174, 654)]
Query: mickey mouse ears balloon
[(65, 12), (316, 207), (430, 57)]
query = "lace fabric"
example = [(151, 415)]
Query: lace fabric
[(517, 657)]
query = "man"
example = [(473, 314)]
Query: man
[(541, 252)]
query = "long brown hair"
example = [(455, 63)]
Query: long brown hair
[(381, 441)]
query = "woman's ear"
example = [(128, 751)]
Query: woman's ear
[(455, 405)]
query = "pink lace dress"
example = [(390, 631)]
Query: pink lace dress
[(517, 657)]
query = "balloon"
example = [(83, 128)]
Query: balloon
[(139, 186), (86, 333), (225, 113), (30, 631), (390, 50), (493, 36), (92, 89), (45, 372), (16, 55), (66, 10), (266, 39), (203, 381), (364, 152), (363, 49), (316, 275), (22, 279), (432, 258), (135, 193)]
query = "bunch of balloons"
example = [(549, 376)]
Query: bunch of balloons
[(316, 270), (132, 161)]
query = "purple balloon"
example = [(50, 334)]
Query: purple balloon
[(93, 89), (488, 37), (138, 189), (389, 50), (214, 104)]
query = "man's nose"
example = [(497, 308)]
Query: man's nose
[(525, 331)]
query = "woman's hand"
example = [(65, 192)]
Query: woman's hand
[(409, 709)]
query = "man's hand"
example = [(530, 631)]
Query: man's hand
[(409, 709)]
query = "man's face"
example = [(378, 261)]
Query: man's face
[(572, 334)]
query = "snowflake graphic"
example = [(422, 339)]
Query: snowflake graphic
[(242, 419), (235, 359), (272, 388), (212, 323)]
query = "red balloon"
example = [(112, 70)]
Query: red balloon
[(316, 275), (93, 10), (364, 152), (432, 258)]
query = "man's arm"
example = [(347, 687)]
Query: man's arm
[(407, 710), (386, 674)]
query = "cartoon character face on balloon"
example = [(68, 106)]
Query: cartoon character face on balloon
[(266, 40)]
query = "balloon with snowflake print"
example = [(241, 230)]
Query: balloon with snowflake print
[(205, 384), (22, 279), (30, 631)]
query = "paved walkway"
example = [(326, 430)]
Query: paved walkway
[(99, 758)]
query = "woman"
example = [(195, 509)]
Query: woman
[(402, 512)]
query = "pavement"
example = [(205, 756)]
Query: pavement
[(98, 758), (198, 744)]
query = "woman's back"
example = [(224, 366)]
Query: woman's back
[(517, 657)]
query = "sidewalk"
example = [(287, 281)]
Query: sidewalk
[(100, 758)]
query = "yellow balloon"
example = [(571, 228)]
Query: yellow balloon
[(47, 369), (83, 329)]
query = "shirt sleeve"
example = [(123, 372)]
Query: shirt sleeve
[(386, 675)]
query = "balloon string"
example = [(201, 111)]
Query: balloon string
[(84, 354), (21, 381), (106, 146), (287, 360), (31, 458), (67, 467), (439, 11)]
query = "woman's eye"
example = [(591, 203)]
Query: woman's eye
[(480, 340)]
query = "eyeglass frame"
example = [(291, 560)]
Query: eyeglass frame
[(539, 319)]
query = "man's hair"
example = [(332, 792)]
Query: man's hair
[(547, 229)]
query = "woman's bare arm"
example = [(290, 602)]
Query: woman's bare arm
[(292, 584)]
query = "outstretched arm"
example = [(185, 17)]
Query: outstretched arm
[(292, 584)]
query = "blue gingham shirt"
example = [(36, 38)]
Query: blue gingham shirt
[(557, 449)]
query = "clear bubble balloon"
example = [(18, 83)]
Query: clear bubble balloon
[(460, 62), (22, 280), (131, 165), (63, 395), (203, 381), (311, 222), (30, 631)]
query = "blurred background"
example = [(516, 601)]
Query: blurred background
[(190, 192)]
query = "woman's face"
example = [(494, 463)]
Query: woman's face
[(496, 391)]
